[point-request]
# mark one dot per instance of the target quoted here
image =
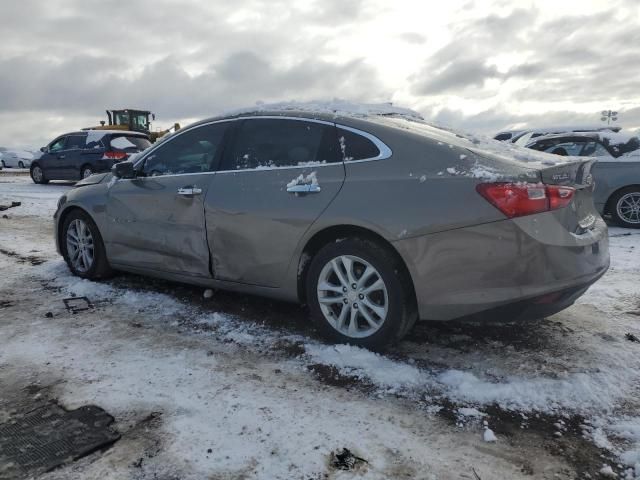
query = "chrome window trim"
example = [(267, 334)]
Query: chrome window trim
[(385, 151), (279, 117), (182, 131)]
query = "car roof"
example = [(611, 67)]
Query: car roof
[(567, 135)]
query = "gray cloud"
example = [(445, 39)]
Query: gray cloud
[(74, 58)]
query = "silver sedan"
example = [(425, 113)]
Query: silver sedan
[(372, 221)]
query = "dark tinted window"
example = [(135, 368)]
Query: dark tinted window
[(356, 147), (190, 152), (503, 136), (75, 142), (267, 143), (129, 143), (57, 144)]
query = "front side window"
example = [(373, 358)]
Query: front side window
[(356, 147), (273, 143), (140, 122), (193, 151), (57, 145)]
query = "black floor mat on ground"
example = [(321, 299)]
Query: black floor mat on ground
[(49, 436)]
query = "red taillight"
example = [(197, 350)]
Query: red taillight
[(519, 199), (559, 197), (114, 156)]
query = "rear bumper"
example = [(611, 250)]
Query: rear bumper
[(510, 264)]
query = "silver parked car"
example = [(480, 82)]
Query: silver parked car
[(616, 173), (372, 221)]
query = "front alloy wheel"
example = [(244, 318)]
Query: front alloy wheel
[(80, 246), (353, 296), (37, 175), (86, 172)]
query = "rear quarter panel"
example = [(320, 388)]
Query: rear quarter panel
[(611, 176)]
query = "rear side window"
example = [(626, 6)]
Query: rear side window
[(272, 143), (75, 142), (355, 146), (129, 142)]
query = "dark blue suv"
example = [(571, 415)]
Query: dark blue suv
[(76, 155)]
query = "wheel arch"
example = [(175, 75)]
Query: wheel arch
[(333, 234), (608, 205), (63, 216), (83, 166)]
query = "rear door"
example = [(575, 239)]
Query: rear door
[(276, 179), (72, 162), (157, 220)]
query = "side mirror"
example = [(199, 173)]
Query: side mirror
[(123, 170), (43, 149)]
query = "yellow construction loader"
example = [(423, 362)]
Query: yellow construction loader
[(133, 120)]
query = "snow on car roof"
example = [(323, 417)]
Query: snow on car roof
[(401, 118), (335, 108)]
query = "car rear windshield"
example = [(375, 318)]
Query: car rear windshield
[(129, 142)]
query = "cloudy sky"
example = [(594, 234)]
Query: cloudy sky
[(480, 65)]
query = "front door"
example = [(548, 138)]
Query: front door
[(274, 182), (157, 219), (53, 160)]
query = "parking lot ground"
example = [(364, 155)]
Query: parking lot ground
[(241, 387)]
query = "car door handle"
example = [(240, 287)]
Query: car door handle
[(61, 156), (189, 191), (308, 188)]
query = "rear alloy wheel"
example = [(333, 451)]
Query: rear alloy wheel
[(37, 175), (86, 172), (625, 207), (358, 294), (82, 247)]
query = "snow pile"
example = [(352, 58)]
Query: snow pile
[(304, 180), (489, 436), (334, 107), (386, 374)]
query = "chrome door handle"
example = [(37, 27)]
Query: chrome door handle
[(189, 191), (61, 156), (308, 188)]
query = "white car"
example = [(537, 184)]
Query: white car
[(16, 158)]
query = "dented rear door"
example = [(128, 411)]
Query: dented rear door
[(276, 179)]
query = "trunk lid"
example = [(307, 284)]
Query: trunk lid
[(581, 214)]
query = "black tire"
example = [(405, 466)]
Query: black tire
[(42, 179), (100, 267), (613, 207), (402, 312), (3, 164), (83, 171)]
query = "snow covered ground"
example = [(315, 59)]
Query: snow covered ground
[(241, 387)]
